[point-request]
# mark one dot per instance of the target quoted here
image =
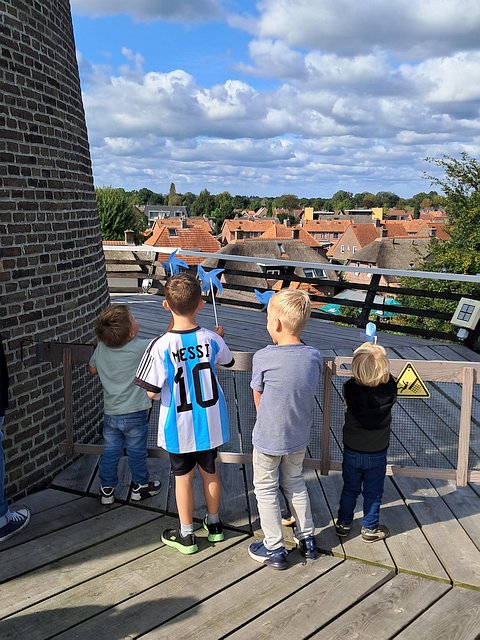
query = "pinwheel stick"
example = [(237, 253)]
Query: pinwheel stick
[(214, 303)]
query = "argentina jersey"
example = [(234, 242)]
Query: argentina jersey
[(193, 412)]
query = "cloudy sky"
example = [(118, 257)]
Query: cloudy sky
[(278, 96)]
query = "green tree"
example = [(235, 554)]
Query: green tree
[(269, 213), (341, 200), (461, 253), (117, 214), (204, 204), (387, 198), (174, 199), (223, 209), (287, 201)]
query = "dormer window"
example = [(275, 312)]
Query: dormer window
[(281, 248), (172, 231)]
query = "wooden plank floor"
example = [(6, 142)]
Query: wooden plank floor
[(109, 576), (81, 570)]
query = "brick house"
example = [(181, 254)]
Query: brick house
[(355, 237)]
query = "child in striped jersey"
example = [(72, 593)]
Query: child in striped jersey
[(193, 414)]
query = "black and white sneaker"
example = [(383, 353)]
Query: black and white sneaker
[(143, 491), (107, 495), (308, 548), (372, 535), (343, 528)]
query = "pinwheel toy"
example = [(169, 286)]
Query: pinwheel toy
[(173, 265), (209, 279), (264, 298), (370, 333)]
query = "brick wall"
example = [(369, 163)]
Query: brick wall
[(52, 273)]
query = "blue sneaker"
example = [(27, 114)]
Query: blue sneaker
[(308, 548), (277, 559), (16, 521)]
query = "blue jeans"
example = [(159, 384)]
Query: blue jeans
[(268, 471), (362, 473), (3, 500), (128, 431)]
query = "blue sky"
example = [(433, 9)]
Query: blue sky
[(277, 96)]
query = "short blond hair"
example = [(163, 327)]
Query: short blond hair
[(292, 307), (370, 365)]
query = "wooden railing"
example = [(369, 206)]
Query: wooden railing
[(152, 269), (454, 446)]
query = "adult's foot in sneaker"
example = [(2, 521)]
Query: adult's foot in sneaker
[(107, 495), (143, 491), (277, 559), (372, 535), (185, 544), (16, 521), (343, 528), (308, 548), (215, 530)]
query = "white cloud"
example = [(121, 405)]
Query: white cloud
[(349, 28), (148, 10)]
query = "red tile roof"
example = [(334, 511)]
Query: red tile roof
[(281, 232), (196, 236)]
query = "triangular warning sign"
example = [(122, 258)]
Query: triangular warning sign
[(410, 385)]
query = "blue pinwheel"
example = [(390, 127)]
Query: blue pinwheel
[(264, 298), (370, 333), (173, 265), (209, 279)]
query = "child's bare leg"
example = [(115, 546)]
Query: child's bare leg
[(184, 497), (211, 490)]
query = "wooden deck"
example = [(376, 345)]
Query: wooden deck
[(82, 570)]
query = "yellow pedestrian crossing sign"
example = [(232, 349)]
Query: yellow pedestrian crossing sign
[(410, 385)]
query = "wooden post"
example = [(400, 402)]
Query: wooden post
[(369, 300), (68, 400), (465, 426), (327, 398)]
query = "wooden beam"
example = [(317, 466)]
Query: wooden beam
[(465, 426)]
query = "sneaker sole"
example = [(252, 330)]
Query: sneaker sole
[(214, 537), (187, 551), (105, 500), (370, 540), (139, 496), (344, 534), (266, 561)]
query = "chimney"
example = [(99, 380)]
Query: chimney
[(129, 236), (286, 222), (295, 234), (384, 232), (183, 223), (433, 232), (378, 224)]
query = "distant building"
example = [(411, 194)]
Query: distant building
[(192, 233), (400, 254), (162, 211), (240, 229), (355, 237), (266, 276)]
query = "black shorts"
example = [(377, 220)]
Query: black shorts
[(183, 463)]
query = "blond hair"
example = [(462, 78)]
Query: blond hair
[(114, 325), (292, 307), (370, 365), (183, 294)]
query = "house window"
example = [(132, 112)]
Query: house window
[(335, 235), (281, 248), (323, 236), (354, 248), (342, 248), (314, 273), (172, 231)]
